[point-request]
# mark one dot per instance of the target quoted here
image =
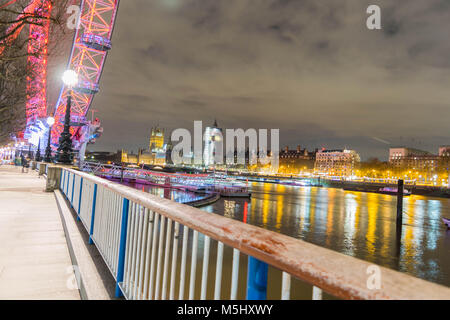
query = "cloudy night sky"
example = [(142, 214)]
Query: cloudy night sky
[(310, 68)]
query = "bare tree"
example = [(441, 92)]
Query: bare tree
[(16, 17)]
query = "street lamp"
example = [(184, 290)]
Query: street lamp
[(38, 157), (48, 150), (70, 79)]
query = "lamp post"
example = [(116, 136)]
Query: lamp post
[(48, 150), (38, 152), (70, 79)]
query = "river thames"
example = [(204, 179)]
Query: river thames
[(362, 225)]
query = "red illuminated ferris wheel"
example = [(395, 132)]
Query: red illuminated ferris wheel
[(90, 47)]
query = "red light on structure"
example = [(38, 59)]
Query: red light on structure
[(37, 49), (245, 212)]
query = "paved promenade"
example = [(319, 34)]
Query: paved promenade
[(34, 257)]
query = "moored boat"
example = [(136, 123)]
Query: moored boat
[(232, 191), (386, 190), (243, 194), (393, 191)]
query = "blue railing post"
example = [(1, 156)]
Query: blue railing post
[(67, 184), (256, 279), (94, 202), (79, 200), (73, 190), (122, 246)]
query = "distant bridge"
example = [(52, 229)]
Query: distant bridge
[(148, 176)]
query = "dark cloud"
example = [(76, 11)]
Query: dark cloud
[(308, 67)]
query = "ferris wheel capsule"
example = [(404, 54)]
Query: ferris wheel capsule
[(96, 42)]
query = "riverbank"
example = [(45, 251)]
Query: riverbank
[(362, 186), (428, 191)]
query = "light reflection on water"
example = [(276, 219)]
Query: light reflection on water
[(358, 224)]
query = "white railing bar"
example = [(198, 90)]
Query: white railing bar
[(117, 221), (108, 225), (101, 234), (148, 254), (114, 232), (205, 268), (183, 262), (193, 266), (117, 224), (153, 263), (104, 230), (140, 213), (174, 261), (166, 259), (235, 274), (144, 245), (98, 208), (88, 193), (160, 253), (317, 293), (218, 283), (286, 286), (101, 227), (134, 252), (111, 230)]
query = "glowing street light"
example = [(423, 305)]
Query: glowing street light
[(70, 79), (50, 121)]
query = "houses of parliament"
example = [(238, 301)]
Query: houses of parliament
[(156, 154)]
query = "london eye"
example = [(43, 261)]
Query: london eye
[(94, 26)]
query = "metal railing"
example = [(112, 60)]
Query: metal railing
[(151, 246)]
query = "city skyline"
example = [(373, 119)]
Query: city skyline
[(291, 147), (312, 70)]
